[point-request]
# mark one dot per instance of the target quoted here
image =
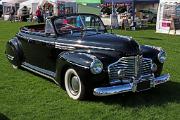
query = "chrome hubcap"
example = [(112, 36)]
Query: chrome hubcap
[(74, 85)]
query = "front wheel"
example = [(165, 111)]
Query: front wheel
[(74, 86)]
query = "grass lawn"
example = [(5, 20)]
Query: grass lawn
[(25, 96)]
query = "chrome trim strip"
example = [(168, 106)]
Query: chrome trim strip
[(85, 67), (162, 79), (10, 57), (39, 40), (37, 72), (58, 45), (130, 87), (65, 47), (84, 46)]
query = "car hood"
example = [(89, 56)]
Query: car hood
[(123, 45)]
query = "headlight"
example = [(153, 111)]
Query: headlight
[(162, 56), (96, 66)]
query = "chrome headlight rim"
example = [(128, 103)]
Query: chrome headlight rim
[(96, 66), (162, 56)]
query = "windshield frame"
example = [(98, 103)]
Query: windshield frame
[(84, 29)]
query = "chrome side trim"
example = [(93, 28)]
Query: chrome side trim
[(83, 46), (65, 47), (39, 40), (130, 87), (10, 57), (85, 67), (37, 72)]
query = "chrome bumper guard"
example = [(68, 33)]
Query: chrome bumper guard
[(130, 87)]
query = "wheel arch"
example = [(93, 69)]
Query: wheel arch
[(76, 60), (14, 51), (152, 53)]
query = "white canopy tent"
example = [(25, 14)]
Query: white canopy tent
[(168, 17), (13, 1), (68, 3), (31, 4), (7, 6), (28, 3), (41, 2)]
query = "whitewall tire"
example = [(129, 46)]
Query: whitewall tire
[(73, 84), (15, 67)]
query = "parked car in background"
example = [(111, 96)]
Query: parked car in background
[(150, 15), (78, 53)]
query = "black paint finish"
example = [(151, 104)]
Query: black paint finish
[(56, 53)]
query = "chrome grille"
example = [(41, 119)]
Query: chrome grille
[(133, 67)]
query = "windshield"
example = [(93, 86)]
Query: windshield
[(79, 23)]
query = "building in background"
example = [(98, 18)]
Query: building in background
[(131, 13), (7, 6), (30, 4), (59, 6), (168, 18)]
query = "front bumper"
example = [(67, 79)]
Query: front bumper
[(130, 87)]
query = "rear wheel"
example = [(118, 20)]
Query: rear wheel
[(74, 86)]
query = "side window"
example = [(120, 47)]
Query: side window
[(49, 28)]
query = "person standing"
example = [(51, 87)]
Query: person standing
[(12, 13), (25, 14), (19, 14), (39, 15), (47, 13)]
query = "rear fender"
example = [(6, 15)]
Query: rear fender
[(14, 52)]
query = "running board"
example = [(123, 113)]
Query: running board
[(39, 71)]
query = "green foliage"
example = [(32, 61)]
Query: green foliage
[(88, 9), (26, 96)]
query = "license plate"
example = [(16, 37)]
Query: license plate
[(143, 85)]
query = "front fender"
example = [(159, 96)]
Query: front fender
[(81, 63), (80, 59), (152, 53)]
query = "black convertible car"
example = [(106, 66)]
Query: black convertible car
[(78, 53)]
